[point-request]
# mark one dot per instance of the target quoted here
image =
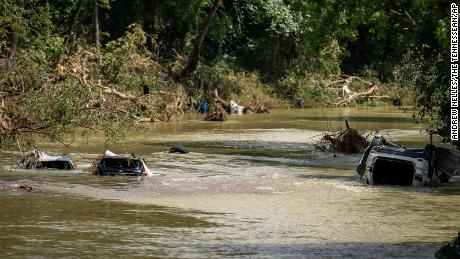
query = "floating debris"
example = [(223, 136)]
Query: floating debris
[(344, 141), (17, 188), (178, 149)]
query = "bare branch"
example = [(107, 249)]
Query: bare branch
[(410, 17), (108, 90)]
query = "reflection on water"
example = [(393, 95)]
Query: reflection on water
[(252, 186)]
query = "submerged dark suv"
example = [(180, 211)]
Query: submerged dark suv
[(111, 166)]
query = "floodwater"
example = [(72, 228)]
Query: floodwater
[(252, 186)]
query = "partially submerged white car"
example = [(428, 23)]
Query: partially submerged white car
[(37, 159), (386, 163)]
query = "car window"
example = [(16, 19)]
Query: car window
[(111, 162), (63, 165), (129, 163)]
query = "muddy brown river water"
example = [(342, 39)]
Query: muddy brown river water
[(251, 187)]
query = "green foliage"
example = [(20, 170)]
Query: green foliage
[(283, 19), (427, 78), (310, 88), (124, 57)]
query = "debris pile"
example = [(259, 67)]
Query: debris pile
[(178, 149), (235, 108), (343, 141), (222, 108)]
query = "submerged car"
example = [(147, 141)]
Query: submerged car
[(40, 160), (386, 163), (111, 164)]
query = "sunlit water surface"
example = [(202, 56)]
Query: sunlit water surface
[(252, 186)]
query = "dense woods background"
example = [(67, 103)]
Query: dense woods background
[(85, 63)]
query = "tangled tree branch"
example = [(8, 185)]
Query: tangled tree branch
[(370, 93)]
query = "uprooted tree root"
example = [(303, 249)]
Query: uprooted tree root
[(344, 141)]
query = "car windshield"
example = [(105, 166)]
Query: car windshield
[(62, 165)]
